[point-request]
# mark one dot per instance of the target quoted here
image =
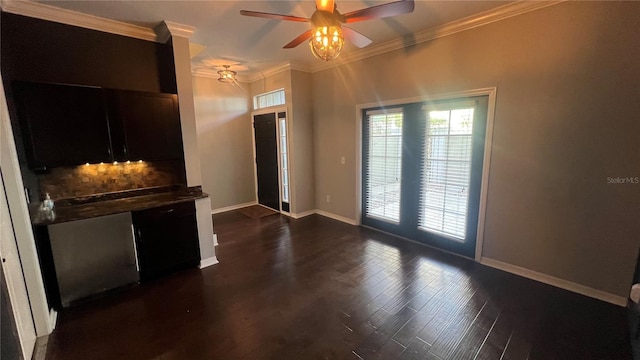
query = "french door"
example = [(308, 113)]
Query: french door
[(422, 171)]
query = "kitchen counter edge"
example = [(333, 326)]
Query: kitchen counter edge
[(67, 213)]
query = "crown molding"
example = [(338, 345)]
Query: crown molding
[(74, 18), (249, 77), (300, 67), (255, 76), (454, 27), (450, 28), (213, 74), (167, 29), (269, 72)]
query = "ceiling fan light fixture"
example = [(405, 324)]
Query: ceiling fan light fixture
[(226, 75), (326, 42)]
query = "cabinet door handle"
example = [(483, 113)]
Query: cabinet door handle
[(124, 149), (168, 211)]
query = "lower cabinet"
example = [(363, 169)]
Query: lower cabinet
[(166, 239), (84, 258)]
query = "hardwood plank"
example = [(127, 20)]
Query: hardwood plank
[(423, 316), (417, 350), (458, 327), (315, 288), (456, 298), (474, 338)]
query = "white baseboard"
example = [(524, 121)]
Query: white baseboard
[(325, 214), (53, 319), (337, 217), (554, 281), (208, 262), (303, 214), (232, 207)]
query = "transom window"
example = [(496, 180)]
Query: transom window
[(268, 99)]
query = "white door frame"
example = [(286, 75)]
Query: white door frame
[(44, 320), (491, 92), (275, 111), (14, 279)]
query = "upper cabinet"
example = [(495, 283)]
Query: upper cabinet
[(62, 124), (67, 125), (145, 126)]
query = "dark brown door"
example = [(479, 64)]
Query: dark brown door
[(267, 160)]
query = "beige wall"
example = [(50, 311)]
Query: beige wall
[(280, 80), (225, 145), (302, 142), (567, 118)]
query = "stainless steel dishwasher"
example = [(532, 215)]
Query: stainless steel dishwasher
[(93, 255)]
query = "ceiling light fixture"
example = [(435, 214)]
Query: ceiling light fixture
[(326, 42), (226, 75), (326, 36)]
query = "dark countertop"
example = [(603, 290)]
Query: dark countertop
[(66, 211)]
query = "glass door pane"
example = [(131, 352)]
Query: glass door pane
[(446, 172), (284, 161), (383, 165)]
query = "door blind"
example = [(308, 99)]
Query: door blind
[(446, 171), (383, 165)]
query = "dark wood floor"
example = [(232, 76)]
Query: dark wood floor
[(315, 288)]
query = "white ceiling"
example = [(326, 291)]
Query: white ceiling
[(254, 44)]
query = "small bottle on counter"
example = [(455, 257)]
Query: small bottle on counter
[(47, 204)]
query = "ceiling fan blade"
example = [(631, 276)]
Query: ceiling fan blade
[(300, 39), (380, 11), (272, 16), (355, 37), (325, 5)]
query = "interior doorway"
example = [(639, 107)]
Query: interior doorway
[(272, 160), (267, 160)]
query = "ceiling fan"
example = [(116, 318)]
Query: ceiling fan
[(326, 37)]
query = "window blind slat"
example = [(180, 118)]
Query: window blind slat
[(446, 171), (384, 165)]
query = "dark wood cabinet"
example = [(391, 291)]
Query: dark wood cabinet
[(68, 125), (145, 126), (166, 239), (62, 124)]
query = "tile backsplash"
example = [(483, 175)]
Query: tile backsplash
[(94, 179)]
